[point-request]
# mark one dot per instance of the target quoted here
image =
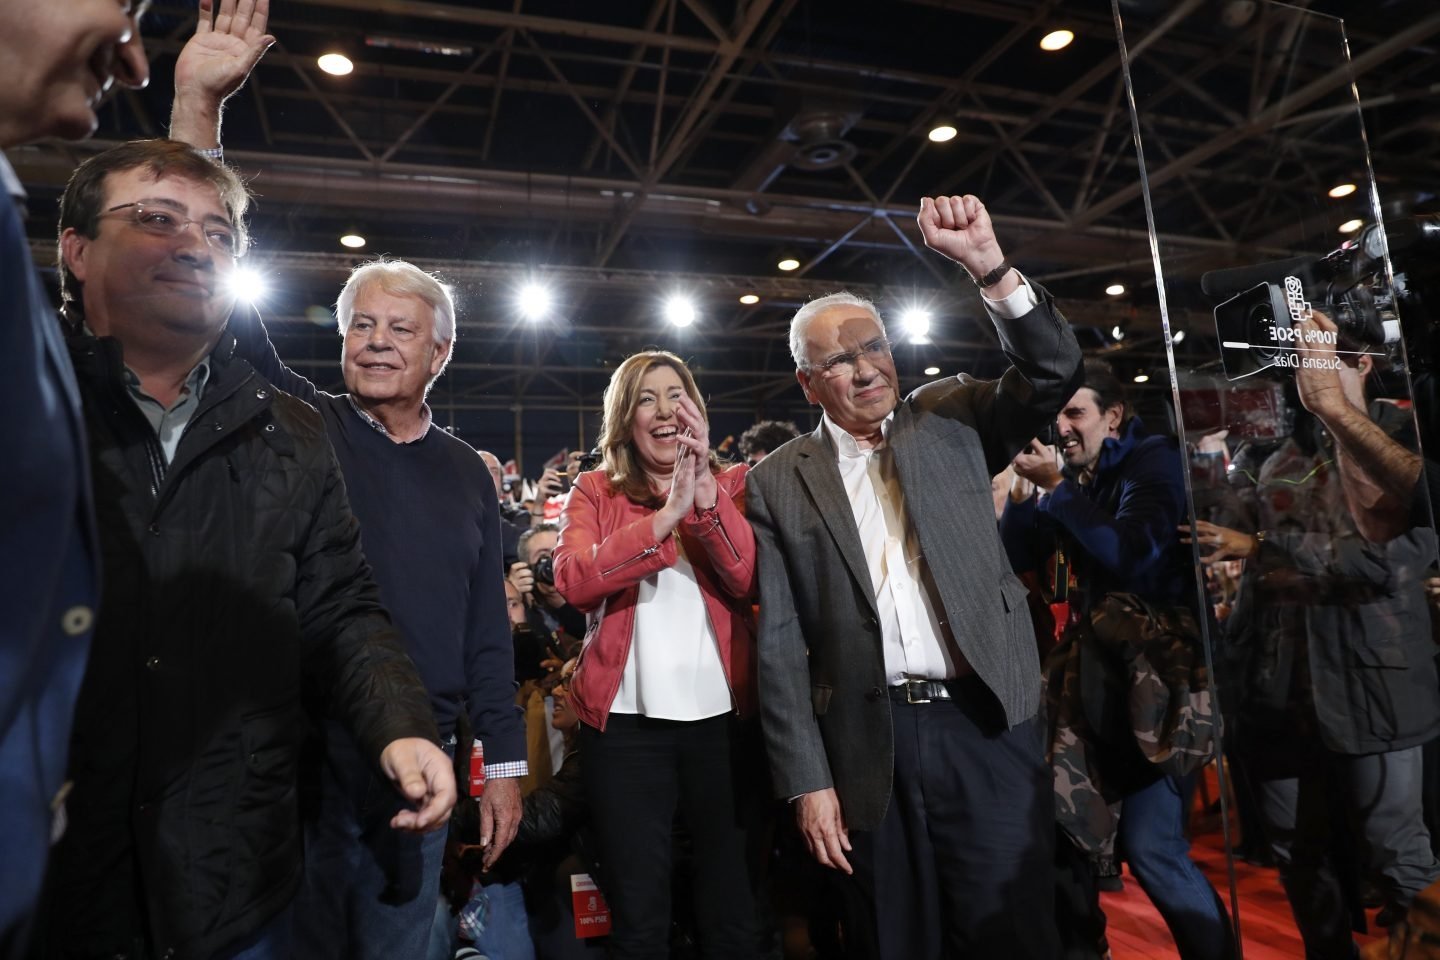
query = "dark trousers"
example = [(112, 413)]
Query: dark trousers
[(961, 863), (1381, 796), (637, 774)]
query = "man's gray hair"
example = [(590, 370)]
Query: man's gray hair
[(805, 314), (402, 278)]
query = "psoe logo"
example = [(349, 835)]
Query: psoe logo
[(1295, 300)]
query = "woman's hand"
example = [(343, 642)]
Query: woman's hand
[(1229, 544), (682, 493), (695, 453)]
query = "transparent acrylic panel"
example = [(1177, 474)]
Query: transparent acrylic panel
[(1291, 391)]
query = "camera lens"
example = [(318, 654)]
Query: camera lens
[(545, 571)]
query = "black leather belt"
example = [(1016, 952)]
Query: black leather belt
[(922, 691)]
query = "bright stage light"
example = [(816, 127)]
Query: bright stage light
[(1142, 378), (352, 240), (680, 311), (942, 133), (1056, 40), (1115, 289), (1117, 332), (749, 299), (248, 285), (932, 371), (534, 301), (1350, 226), (335, 64), (788, 264), (1342, 190), (1178, 336), (917, 324)]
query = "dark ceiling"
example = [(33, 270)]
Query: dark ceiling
[(625, 150)]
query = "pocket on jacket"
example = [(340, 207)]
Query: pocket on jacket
[(820, 698)]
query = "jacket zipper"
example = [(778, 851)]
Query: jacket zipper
[(720, 527), (648, 551)]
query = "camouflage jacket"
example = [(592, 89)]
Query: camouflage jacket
[(1129, 701)]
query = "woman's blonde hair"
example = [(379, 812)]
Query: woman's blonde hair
[(622, 396)]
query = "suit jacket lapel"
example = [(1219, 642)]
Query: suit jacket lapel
[(821, 476)]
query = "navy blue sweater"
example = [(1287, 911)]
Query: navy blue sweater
[(430, 527), (1119, 530)]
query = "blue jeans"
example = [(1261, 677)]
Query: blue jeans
[(369, 890), (507, 926), (1152, 840), (270, 942)]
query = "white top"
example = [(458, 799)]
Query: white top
[(911, 631), (673, 671)]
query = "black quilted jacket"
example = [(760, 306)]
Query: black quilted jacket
[(232, 578)]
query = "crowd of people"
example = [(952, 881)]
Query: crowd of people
[(291, 673)]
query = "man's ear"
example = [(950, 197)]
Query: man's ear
[(803, 378), (437, 362), (73, 247), (1114, 416)]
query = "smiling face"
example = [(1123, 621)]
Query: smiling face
[(858, 396), (153, 292), (1083, 428), (390, 354), (654, 427), (58, 59)]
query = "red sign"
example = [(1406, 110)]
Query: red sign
[(592, 913), (477, 770)]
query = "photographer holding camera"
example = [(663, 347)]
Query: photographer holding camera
[(534, 577)]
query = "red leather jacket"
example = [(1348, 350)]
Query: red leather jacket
[(607, 547)]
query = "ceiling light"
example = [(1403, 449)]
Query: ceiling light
[(916, 323), (1117, 332), (353, 240), (1142, 378), (680, 311), (749, 298), (336, 64), (1350, 226), (247, 284), (942, 132), (1056, 40), (1115, 289), (1342, 190), (1178, 337), (932, 371), (788, 263), (533, 301)]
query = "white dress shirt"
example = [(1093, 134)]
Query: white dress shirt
[(912, 629)]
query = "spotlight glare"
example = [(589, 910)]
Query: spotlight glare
[(353, 240), (788, 264), (1056, 40), (335, 64), (932, 371), (1350, 226), (1178, 337), (247, 285), (1115, 289), (942, 132), (534, 301), (749, 298), (1142, 378), (680, 311), (1342, 190), (917, 324), (1117, 333)]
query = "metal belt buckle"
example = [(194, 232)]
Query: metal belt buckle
[(910, 693)]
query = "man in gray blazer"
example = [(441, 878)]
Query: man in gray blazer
[(899, 680)]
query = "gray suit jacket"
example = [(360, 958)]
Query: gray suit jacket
[(823, 703)]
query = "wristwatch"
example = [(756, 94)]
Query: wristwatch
[(994, 276)]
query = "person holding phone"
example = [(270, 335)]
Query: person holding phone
[(654, 546)]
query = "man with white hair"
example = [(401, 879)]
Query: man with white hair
[(429, 524), (898, 673)]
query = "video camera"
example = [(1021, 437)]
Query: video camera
[(1255, 318)]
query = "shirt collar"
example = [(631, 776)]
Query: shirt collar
[(425, 420), (845, 446), (194, 383)]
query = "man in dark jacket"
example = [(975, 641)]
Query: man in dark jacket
[(233, 579), (1113, 513)]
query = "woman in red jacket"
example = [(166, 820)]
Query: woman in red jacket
[(655, 548)]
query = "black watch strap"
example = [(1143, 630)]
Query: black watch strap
[(994, 276)]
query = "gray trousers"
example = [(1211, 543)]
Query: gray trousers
[(1381, 796)]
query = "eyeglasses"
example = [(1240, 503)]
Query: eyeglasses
[(843, 364), (220, 234)]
